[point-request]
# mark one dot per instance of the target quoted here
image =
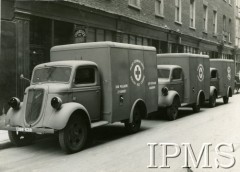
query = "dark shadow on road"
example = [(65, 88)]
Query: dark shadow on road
[(99, 136)]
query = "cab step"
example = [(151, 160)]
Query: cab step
[(99, 123)]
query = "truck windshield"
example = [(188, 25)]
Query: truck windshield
[(163, 73), (52, 74)]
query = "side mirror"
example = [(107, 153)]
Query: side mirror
[(22, 77)]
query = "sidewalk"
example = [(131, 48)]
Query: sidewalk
[(3, 134), (3, 137)]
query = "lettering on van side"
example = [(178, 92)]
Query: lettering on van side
[(137, 72), (121, 89), (152, 85), (200, 70)]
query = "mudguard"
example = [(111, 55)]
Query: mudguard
[(198, 96), (14, 117), (165, 101), (59, 118), (132, 109), (228, 91), (212, 90)]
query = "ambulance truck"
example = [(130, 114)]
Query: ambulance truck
[(222, 80), (183, 80), (85, 86)]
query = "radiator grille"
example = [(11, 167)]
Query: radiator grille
[(34, 105)]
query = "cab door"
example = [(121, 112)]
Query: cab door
[(214, 79), (177, 82), (86, 90)]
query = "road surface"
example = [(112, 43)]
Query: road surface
[(113, 150)]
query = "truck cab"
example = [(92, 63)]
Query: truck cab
[(182, 81)]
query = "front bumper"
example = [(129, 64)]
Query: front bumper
[(28, 130)]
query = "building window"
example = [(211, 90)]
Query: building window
[(159, 7), (134, 3), (178, 11), (214, 22), (224, 23), (205, 18), (192, 13), (229, 31), (224, 28)]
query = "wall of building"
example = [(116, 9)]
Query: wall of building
[(146, 14)]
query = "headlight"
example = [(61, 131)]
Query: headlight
[(56, 103), (14, 102), (164, 91)]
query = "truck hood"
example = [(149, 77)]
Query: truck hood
[(51, 87)]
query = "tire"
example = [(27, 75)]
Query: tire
[(22, 138), (172, 111), (212, 101), (225, 99), (135, 125), (73, 137), (196, 108)]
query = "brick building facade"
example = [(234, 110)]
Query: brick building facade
[(31, 28)]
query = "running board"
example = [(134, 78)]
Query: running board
[(184, 104), (99, 123)]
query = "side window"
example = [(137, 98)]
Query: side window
[(214, 74), (177, 74), (85, 76)]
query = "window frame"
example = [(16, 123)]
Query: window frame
[(136, 5), (192, 14), (178, 11), (180, 79), (205, 18), (215, 16), (159, 4), (85, 84)]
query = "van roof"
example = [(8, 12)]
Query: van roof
[(71, 63), (182, 55), (166, 66), (101, 45), (222, 60)]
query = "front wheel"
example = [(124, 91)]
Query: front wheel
[(73, 137), (212, 101), (21, 138), (135, 125), (172, 111), (225, 99)]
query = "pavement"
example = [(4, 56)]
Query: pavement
[(3, 134)]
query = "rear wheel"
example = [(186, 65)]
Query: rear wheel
[(196, 108), (212, 100), (135, 125), (172, 111), (21, 138), (73, 137), (225, 99)]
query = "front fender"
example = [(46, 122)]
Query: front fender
[(59, 118), (228, 92), (212, 90), (14, 117), (165, 101)]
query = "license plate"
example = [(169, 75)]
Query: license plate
[(20, 129)]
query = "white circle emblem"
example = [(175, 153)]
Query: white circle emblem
[(137, 72), (200, 72), (229, 73)]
